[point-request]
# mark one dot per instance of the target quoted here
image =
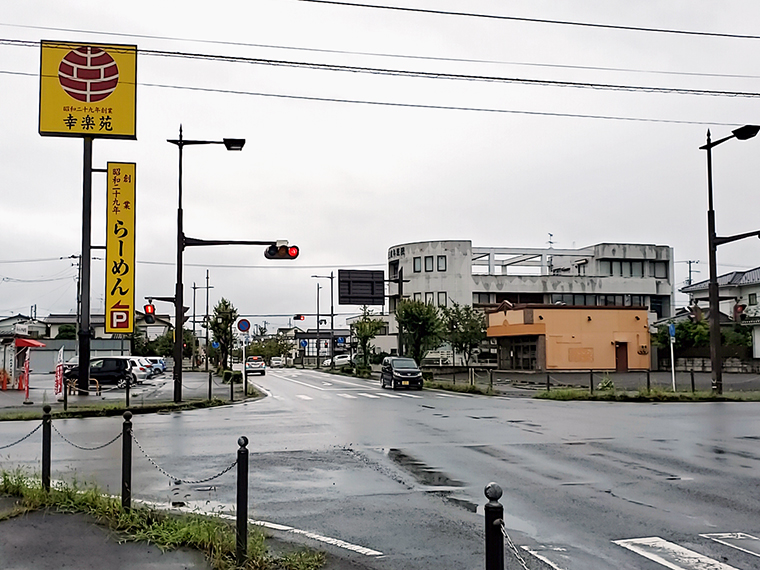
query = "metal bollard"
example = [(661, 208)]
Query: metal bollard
[(232, 389), (126, 391), (46, 425), (490, 379), (649, 383), (241, 536), (126, 462), (591, 381), (494, 514), (209, 386), (548, 383), (692, 382), (245, 382)]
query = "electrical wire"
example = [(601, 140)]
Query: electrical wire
[(538, 20), (27, 43)]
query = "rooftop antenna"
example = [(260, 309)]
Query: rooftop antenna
[(551, 242)]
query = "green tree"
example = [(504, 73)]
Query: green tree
[(420, 327), (464, 327), (278, 345), (365, 329), (221, 326), (66, 332)]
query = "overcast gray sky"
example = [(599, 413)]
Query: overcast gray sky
[(347, 164)]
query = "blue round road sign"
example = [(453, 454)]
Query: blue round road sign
[(244, 325), (303, 343), (214, 344)]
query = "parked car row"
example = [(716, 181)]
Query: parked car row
[(118, 369)]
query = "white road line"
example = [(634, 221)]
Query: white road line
[(389, 395), (543, 559), (368, 395), (266, 524), (304, 397), (738, 540), (411, 396), (349, 396), (671, 555)]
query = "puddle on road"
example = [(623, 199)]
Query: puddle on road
[(439, 483)]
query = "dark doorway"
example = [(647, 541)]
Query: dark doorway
[(621, 357)]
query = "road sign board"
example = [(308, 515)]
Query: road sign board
[(303, 343), (358, 287), (341, 340), (672, 329), (214, 344), (244, 325)]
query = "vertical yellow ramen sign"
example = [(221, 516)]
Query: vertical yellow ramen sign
[(88, 90), (120, 248)]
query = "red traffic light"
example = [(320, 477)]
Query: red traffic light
[(281, 252), (150, 313), (299, 317)]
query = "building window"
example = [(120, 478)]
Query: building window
[(752, 299), (417, 264), (658, 269), (442, 298), (481, 298), (429, 298), (428, 263), (418, 297), (441, 263)]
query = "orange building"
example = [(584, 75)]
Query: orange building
[(566, 337)]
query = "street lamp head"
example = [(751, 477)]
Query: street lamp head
[(746, 132), (234, 144)]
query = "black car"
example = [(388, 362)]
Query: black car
[(398, 372), (105, 369)]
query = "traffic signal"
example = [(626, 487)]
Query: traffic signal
[(299, 317), (150, 314), (281, 252)]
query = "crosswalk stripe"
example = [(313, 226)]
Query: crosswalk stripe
[(348, 396), (411, 396), (671, 555), (304, 397), (368, 395), (738, 540), (389, 395)]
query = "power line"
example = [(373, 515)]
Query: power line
[(416, 105), (27, 43), (539, 20), (437, 75)]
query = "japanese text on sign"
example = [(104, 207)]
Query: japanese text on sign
[(120, 248)]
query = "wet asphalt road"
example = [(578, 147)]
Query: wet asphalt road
[(400, 473)]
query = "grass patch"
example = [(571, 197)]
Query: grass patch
[(211, 535), (462, 388), (641, 395)]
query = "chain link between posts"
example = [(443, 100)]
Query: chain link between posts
[(512, 547), (179, 480), (22, 439), (64, 438)]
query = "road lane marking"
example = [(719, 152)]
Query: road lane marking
[(411, 396), (543, 559), (389, 395), (274, 526), (349, 396), (304, 397), (671, 555), (368, 395), (738, 540)]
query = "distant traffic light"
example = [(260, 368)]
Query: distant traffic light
[(299, 317), (150, 314), (281, 252)]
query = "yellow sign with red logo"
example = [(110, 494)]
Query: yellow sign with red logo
[(120, 248), (88, 90)]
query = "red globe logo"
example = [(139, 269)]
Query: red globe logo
[(88, 74)]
